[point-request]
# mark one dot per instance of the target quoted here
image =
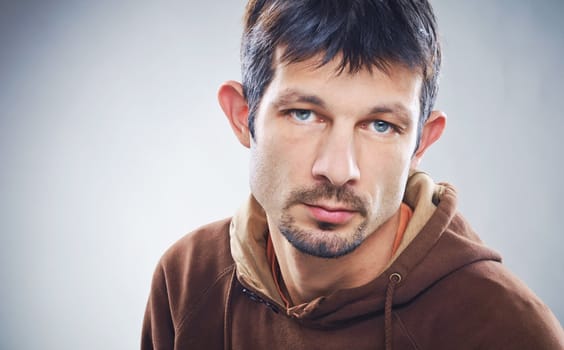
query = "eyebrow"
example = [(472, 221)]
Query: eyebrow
[(293, 96)]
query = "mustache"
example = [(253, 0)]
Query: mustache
[(342, 194)]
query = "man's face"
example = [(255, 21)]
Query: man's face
[(332, 152)]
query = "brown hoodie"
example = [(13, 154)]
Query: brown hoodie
[(443, 289)]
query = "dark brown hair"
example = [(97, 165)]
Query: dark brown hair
[(366, 33)]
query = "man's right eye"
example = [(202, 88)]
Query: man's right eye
[(301, 115)]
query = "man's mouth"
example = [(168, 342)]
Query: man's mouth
[(331, 215)]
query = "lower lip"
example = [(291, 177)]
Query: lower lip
[(333, 217)]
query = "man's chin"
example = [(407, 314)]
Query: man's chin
[(322, 242), (324, 250)]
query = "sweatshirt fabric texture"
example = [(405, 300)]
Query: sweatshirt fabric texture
[(443, 289)]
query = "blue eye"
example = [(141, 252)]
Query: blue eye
[(301, 115), (381, 126)]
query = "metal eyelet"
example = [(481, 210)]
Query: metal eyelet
[(395, 277)]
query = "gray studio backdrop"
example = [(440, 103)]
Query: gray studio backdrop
[(112, 146)]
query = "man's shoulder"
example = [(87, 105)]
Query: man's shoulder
[(190, 283), (205, 249), (491, 284), (488, 301)]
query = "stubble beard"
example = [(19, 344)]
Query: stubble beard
[(326, 241), (322, 243)]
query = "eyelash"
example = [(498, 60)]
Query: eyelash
[(390, 127), (293, 112)]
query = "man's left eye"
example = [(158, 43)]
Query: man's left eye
[(381, 126)]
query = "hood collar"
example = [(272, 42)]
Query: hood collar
[(434, 216)]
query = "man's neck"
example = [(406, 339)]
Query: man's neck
[(307, 277)]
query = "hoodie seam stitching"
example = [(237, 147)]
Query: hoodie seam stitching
[(198, 302), (404, 329)]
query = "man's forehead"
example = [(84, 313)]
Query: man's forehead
[(339, 63), (317, 74)]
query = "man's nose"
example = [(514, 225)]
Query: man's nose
[(336, 159)]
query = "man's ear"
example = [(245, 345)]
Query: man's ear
[(432, 131), (234, 105)]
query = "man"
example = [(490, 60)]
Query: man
[(342, 244)]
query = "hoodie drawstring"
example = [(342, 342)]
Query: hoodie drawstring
[(395, 279)]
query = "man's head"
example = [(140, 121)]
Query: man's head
[(336, 96), (362, 33)]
